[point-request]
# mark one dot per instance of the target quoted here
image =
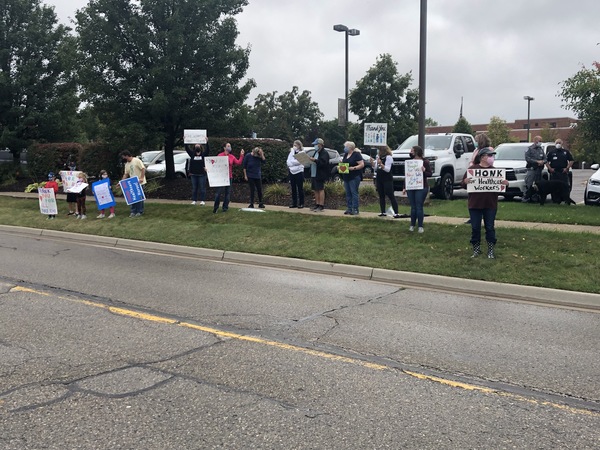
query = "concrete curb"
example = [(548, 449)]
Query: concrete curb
[(405, 279)]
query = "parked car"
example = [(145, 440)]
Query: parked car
[(160, 169), (155, 157), (334, 159), (591, 195), (368, 170), (511, 156)]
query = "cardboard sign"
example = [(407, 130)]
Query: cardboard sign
[(47, 199), (194, 137), (302, 158), (217, 169), (68, 179), (132, 190), (413, 175), (103, 194), (375, 134), (486, 180), (343, 168)]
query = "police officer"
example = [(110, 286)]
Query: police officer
[(535, 158), (559, 162)]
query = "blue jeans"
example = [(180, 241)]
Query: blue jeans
[(137, 208), (351, 187), (199, 184), (226, 192), (489, 216), (416, 197)]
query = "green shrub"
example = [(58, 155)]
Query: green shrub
[(100, 156), (307, 188), (333, 188), (9, 173), (276, 192), (367, 190), (44, 158)]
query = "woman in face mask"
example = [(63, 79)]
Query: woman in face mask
[(296, 176), (352, 177), (417, 197)]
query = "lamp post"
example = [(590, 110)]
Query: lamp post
[(348, 32), (528, 98)]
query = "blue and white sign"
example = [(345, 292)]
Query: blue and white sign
[(132, 190), (103, 194)]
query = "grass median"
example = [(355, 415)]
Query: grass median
[(529, 257)]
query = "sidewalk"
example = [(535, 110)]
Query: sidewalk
[(338, 213)]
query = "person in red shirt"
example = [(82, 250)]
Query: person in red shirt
[(51, 183), (227, 189)]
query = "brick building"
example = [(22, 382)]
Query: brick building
[(562, 125)]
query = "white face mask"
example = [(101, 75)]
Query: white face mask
[(104, 176), (559, 146)]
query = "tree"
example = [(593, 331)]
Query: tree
[(158, 67), (384, 96), (498, 131), (462, 126), (288, 116), (581, 93), (429, 122), (548, 134), (37, 89)]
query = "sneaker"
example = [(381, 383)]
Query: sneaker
[(421, 230), (193, 203), (77, 216), (355, 212), (292, 206), (397, 216), (251, 205), (83, 216), (320, 208), (202, 203), (70, 213), (132, 215), (111, 216), (261, 205), (100, 216), (300, 206), (347, 212), (49, 217), (138, 215), (382, 215), (314, 207), (411, 228)]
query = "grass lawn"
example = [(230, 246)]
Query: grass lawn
[(528, 257)]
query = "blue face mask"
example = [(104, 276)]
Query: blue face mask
[(316, 148), (346, 150)]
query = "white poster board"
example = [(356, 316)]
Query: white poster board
[(413, 175), (486, 180), (194, 136), (375, 134), (217, 169), (47, 199), (77, 188), (302, 158), (68, 178)]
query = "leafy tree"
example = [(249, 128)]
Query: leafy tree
[(333, 135), (548, 134), (157, 67), (581, 93), (37, 89), (429, 122), (384, 96), (462, 126), (498, 131), (288, 116)]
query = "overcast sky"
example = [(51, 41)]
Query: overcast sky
[(490, 52)]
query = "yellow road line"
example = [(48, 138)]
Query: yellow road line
[(318, 353)]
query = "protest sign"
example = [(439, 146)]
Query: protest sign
[(413, 175), (375, 134), (486, 180), (77, 188), (103, 194), (132, 190), (47, 199), (303, 158), (68, 178), (217, 169), (194, 137), (343, 168)]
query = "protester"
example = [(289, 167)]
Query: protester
[(51, 184), (71, 196), (481, 141), (384, 180), (104, 176), (535, 159), (252, 174), (197, 171), (417, 197), (81, 179), (225, 191), (134, 167), (482, 205), (296, 176), (352, 178), (319, 173)]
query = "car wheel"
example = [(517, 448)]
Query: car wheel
[(585, 198), (446, 187), (336, 178), (368, 171), (179, 175)]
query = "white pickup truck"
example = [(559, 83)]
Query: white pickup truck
[(449, 155)]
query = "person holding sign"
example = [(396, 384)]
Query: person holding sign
[(384, 180), (417, 170), (483, 205), (354, 164), (196, 169), (134, 167), (104, 177), (319, 172), (296, 175), (226, 190), (52, 184), (252, 165)]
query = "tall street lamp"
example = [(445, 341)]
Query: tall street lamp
[(528, 98), (348, 32)]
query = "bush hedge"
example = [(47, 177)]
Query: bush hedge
[(44, 158), (101, 156)]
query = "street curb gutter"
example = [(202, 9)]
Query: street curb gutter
[(406, 279)]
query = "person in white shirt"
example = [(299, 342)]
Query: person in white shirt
[(296, 175)]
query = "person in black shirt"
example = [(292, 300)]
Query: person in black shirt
[(197, 171), (559, 162)]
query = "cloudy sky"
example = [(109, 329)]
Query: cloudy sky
[(490, 52)]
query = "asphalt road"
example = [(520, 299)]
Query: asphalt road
[(109, 348)]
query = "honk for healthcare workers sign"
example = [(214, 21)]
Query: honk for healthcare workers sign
[(132, 190), (217, 169), (486, 180), (47, 199)]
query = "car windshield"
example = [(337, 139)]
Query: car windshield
[(179, 158), (149, 156), (510, 152), (431, 142)]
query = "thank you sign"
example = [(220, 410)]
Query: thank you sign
[(486, 180), (375, 134), (47, 201)]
